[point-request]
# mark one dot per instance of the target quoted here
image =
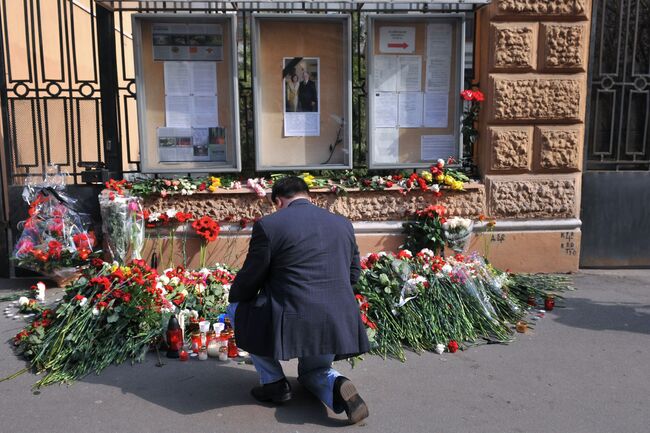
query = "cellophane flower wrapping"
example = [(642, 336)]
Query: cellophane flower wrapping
[(122, 226), (55, 239)]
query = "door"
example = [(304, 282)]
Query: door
[(615, 209)]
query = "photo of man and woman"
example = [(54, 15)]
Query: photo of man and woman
[(301, 89)]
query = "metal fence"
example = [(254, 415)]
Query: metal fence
[(69, 92)]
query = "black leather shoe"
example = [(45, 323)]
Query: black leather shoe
[(276, 392), (347, 397)]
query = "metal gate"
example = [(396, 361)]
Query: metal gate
[(68, 96), (616, 181)]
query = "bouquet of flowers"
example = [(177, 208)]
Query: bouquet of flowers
[(123, 224), (108, 315), (54, 240), (204, 291), (457, 233), (426, 230)]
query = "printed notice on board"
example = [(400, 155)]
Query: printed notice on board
[(385, 146), (172, 41), (410, 109), (396, 39), (191, 144), (437, 146), (385, 73), (410, 74), (191, 94), (439, 41), (436, 109), (385, 109)]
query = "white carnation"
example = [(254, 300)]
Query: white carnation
[(23, 300)]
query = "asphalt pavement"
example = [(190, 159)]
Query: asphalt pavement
[(583, 368)]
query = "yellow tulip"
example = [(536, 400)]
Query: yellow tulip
[(440, 177), (426, 175)]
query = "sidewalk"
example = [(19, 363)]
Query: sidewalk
[(584, 368)]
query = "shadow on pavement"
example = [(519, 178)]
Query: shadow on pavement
[(601, 316), (194, 387)]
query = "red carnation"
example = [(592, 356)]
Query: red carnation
[(452, 346)]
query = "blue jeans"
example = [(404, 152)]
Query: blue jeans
[(314, 372)]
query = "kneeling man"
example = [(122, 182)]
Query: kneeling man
[(293, 298)]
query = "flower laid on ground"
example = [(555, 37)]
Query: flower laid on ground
[(108, 315), (204, 291), (428, 302)]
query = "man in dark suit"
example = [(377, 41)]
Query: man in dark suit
[(293, 299), (307, 94)]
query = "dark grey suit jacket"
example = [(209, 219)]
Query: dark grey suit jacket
[(295, 289)]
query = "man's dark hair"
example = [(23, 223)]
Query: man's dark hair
[(289, 187)]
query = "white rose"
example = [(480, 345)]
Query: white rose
[(23, 301), (174, 280), (95, 311), (171, 213), (446, 269), (164, 279), (441, 162), (439, 348), (435, 187)]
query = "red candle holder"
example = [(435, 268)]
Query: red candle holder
[(531, 301), (184, 356), (549, 303)]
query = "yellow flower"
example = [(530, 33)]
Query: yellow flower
[(449, 180), (426, 175), (216, 181), (457, 185), (440, 177), (212, 188), (309, 179)]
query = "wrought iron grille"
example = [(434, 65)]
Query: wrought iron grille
[(619, 116), (51, 102)]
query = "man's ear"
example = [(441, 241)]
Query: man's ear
[(277, 202)]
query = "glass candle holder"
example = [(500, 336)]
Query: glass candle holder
[(521, 326)]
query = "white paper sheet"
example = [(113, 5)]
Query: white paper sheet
[(204, 78), (438, 146), (385, 109), (204, 112), (304, 124), (410, 109), (178, 111), (439, 42), (436, 109), (386, 146), (396, 39), (178, 78), (386, 71), (410, 74)]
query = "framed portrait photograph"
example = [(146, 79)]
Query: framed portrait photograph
[(302, 83), (301, 102)]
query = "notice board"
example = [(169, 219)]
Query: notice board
[(414, 75), (187, 94), (302, 87)]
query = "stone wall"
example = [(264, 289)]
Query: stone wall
[(533, 69), (389, 205)]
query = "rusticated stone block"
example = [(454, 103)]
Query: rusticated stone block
[(388, 205), (553, 8), (514, 46), (532, 196), (559, 147), (564, 46), (536, 98), (510, 147)]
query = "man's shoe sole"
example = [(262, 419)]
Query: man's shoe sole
[(355, 407)]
